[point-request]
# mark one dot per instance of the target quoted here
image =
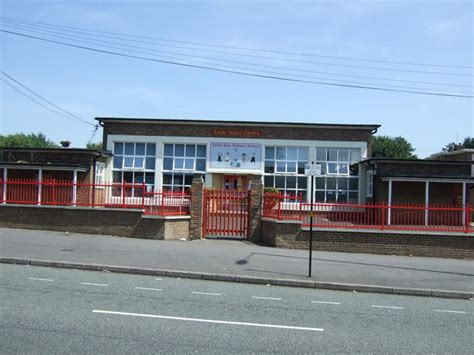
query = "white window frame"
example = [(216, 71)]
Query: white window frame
[(370, 183)]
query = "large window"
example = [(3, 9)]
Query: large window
[(284, 169), (180, 162), (134, 163), (337, 183)]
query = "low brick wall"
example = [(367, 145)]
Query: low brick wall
[(119, 222), (285, 234)]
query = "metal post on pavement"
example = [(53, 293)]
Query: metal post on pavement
[(311, 228)]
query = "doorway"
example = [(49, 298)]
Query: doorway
[(235, 183)]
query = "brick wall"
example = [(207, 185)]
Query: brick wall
[(123, 223), (291, 235), (185, 129)]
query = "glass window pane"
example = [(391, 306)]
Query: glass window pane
[(129, 149), (188, 179), (280, 168), (268, 181), (302, 183), (331, 183), (303, 154), (118, 148), (167, 179), (280, 182), (150, 163), (343, 154), (138, 177), (320, 183), (342, 196), (332, 154), (140, 149), (342, 183), (353, 197), (321, 154), (320, 196), (190, 150), (331, 196), (291, 167), (201, 151), (179, 150), (355, 155), (168, 163), (117, 176), (343, 168), (178, 163), (138, 162), (151, 149), (332, 168), (201, 164), (178, 179), (269, 166), (150, 178), (168, 150), (291, 182), (128, 162), (269, 152), (177, 189), (281, 153), (189, 164), (118, 161), (301, 167), (128, 176), (353, 184), (292, 153)]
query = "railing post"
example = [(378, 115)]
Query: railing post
[(143, 195), (467, 218), (280, 195), (382, 224)]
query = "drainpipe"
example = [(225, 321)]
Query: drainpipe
[(5, 177)]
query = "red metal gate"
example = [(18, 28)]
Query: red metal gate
[(226, 213)]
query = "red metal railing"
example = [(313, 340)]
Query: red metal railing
[(415, 217), (226, 213), (113, 195)]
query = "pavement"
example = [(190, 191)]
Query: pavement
[(241, 261)]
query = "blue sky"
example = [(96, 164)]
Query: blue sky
[(90, 84)]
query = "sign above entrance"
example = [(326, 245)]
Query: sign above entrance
[(235, 156), (312, 169), (239, 133)]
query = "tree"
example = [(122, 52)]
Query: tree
[(95, 146), (468, 143), (22, 140), (392, 147)]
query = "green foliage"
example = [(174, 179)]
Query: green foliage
[(468, 144), (95, 146), (270, 189), (22, 140), (392, 148)]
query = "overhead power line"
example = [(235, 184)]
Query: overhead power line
[(229, 71), (78, 38), (301, 54), (57, 109)]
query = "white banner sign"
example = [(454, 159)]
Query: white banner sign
[(246, 156)]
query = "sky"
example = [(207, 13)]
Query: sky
[(380, 36)]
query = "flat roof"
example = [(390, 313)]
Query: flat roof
[(416, 161), (57, 150), (238, 123), (47, 166)]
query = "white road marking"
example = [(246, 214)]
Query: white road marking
[(267, 298), (37, 279), (389, 307), (149, 288), (324, 302), (93, 284), (447, 311), (207, 293), (157, 279), (201, 320)]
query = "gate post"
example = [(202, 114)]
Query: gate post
[(255, 209), (197, 191)]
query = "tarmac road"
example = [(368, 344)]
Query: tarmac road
[(49, 310)]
